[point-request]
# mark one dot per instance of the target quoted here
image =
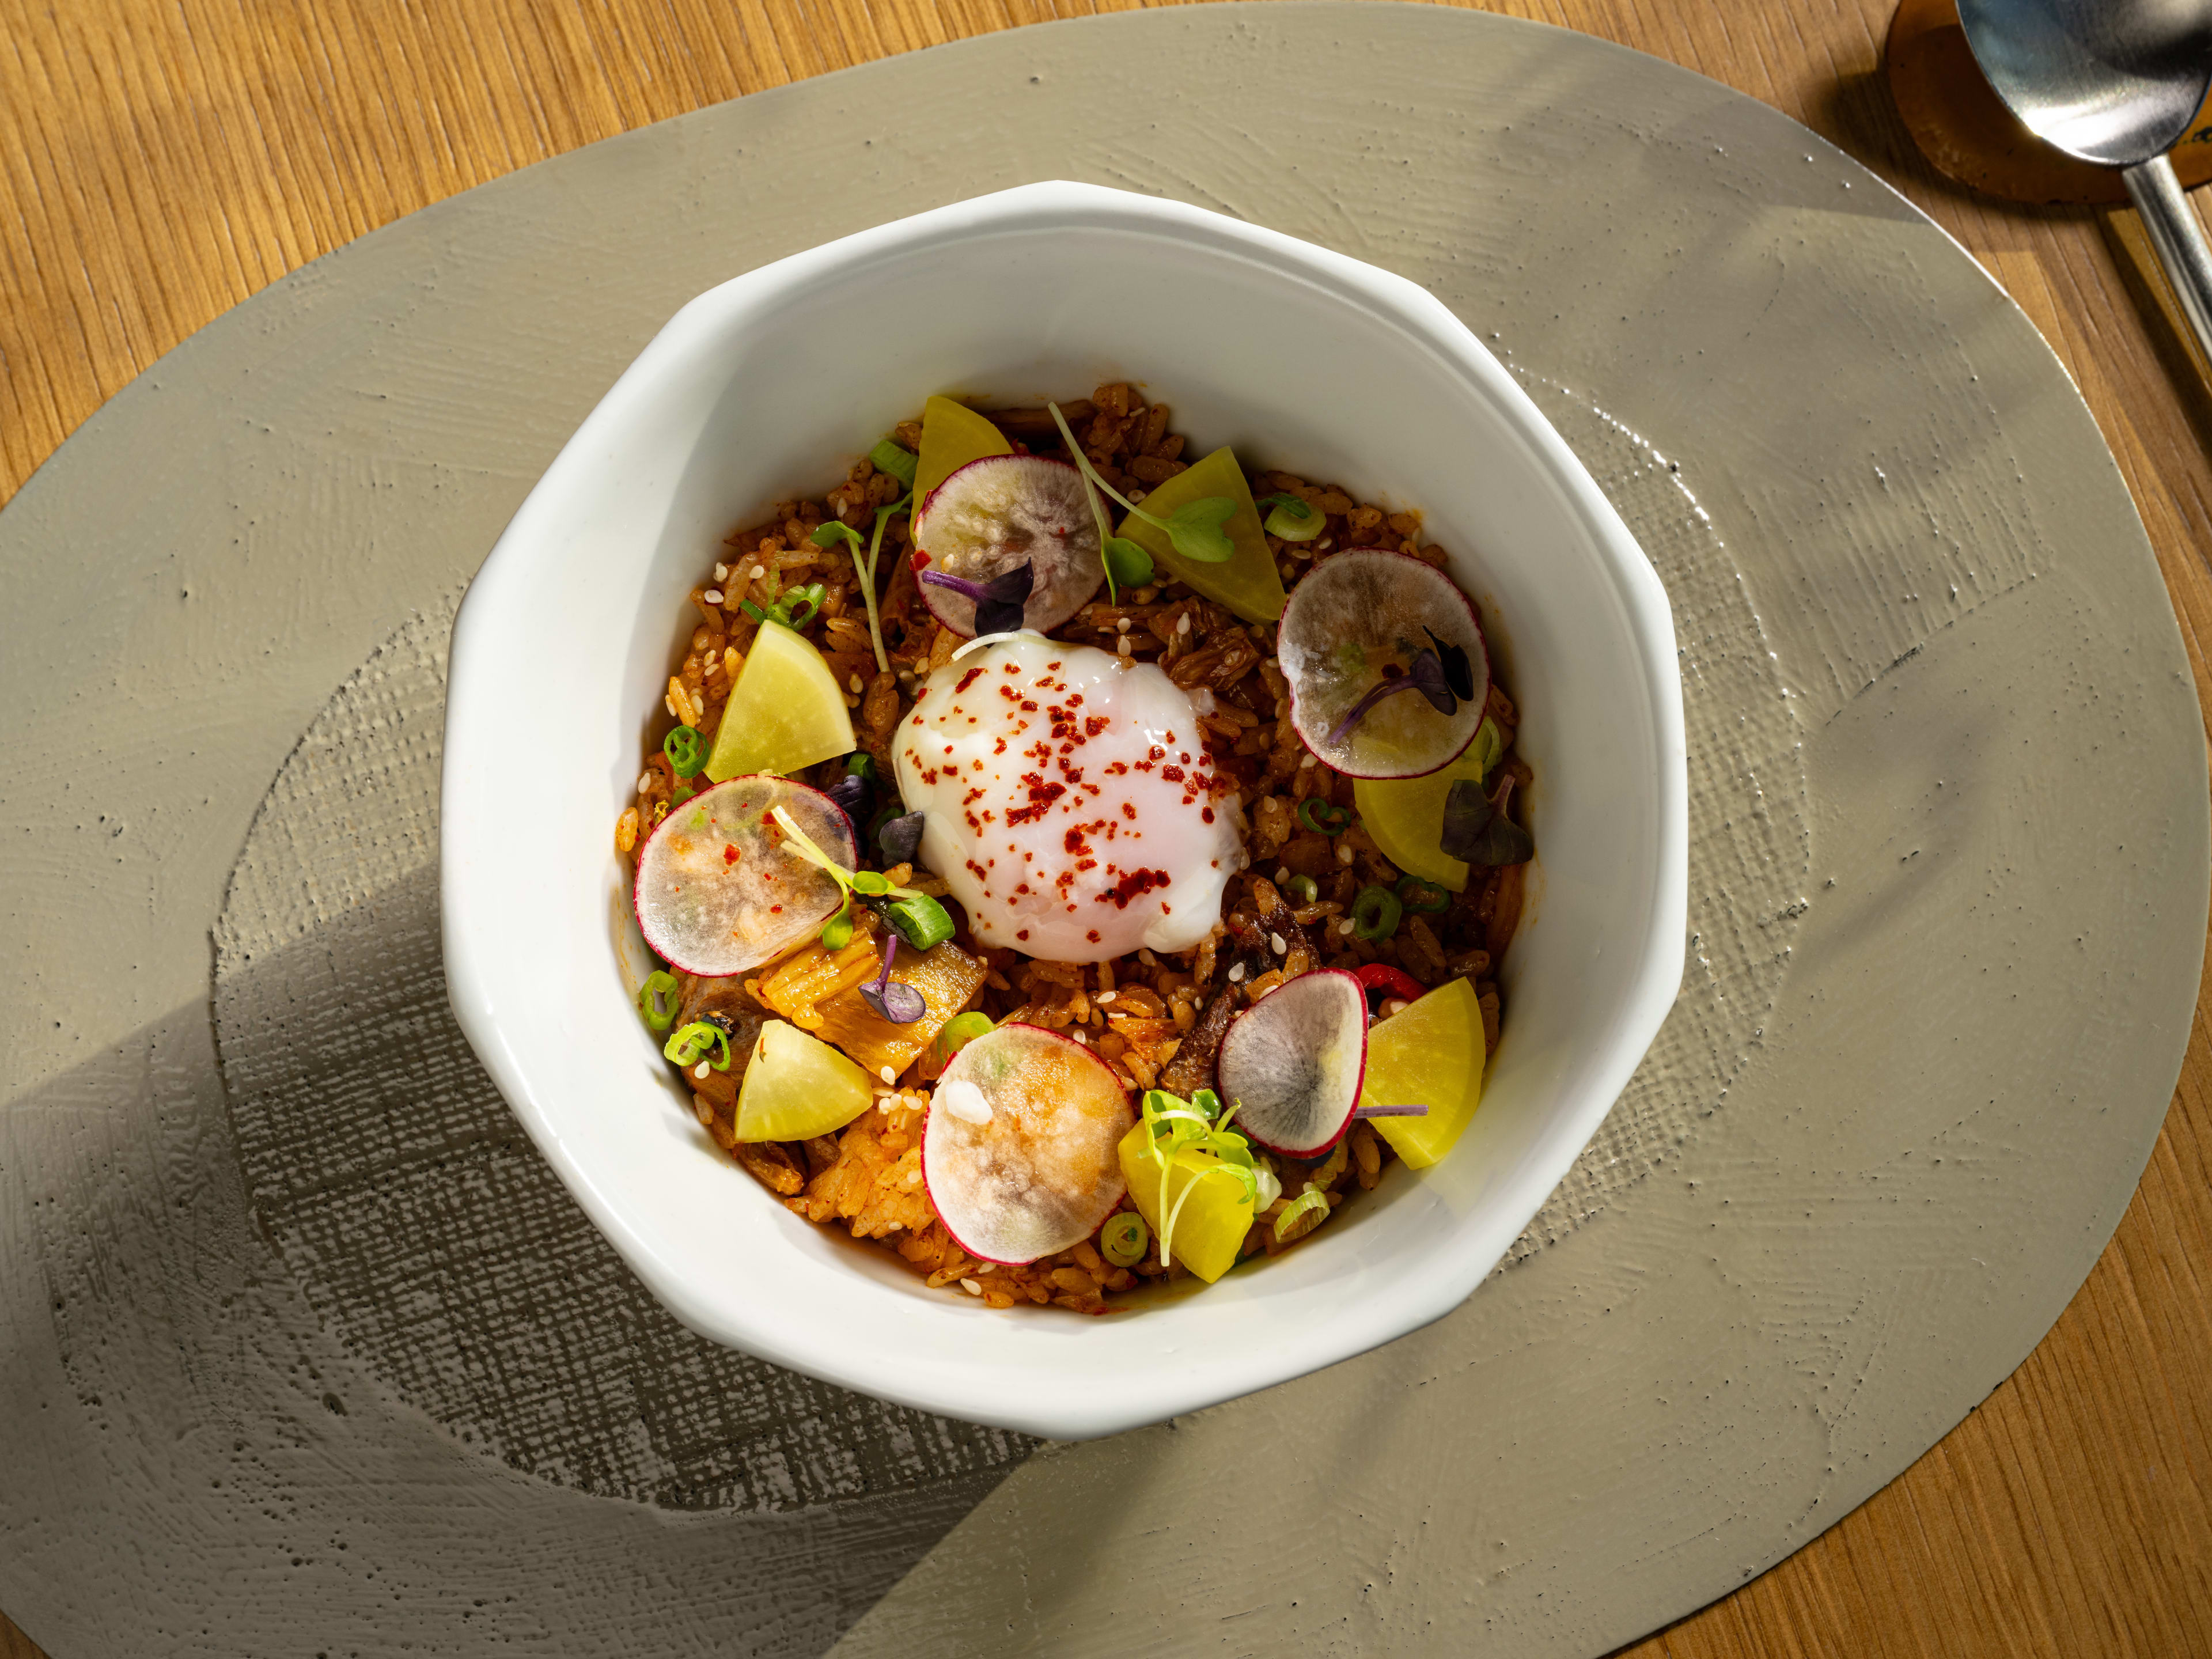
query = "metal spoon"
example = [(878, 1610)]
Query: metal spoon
[(2116, 83)]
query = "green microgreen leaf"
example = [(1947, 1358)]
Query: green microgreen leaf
[(1195, 529), (1127, 565)]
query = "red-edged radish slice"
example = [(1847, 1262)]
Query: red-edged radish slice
[(1019, 1151), (1291, 1064), (718, 891), (1001, 512), (1360, 619)]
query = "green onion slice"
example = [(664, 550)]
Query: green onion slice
[(1303, 889), (686, 750), (1122, 1240), (901, 463), (1376, 914), (921, 922), (699, 1041), (1292, 519), (1423, 897), (1300, 1207), (657, 999), (1324, 817)]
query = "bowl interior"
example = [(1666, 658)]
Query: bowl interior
[(770, 387)]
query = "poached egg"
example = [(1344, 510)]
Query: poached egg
[(1068, 801)]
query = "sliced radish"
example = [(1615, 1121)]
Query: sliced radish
[(718, 891), (1019, 1151), (1386, 664), (1292, 1065), (994, 516)]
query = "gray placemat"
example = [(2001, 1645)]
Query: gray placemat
[(306, 1352)]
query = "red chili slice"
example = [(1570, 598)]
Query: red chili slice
[(1390, 981)]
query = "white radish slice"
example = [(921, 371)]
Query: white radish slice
[(1019, 1151), (998, 513), (1291, 1064), (718, 890), (1358, 619)]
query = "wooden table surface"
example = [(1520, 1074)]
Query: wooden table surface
[(161, 160)]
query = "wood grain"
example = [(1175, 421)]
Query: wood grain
[(159, 163)]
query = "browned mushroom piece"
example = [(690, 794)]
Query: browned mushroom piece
[(1192, 1068), (1295, 955)]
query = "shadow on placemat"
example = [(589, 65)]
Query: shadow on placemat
[(426, 1230)]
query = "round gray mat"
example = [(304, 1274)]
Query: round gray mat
[(1951, 877)]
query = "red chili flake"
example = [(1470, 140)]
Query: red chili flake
[(1074, 842), (1041, 796), (1024, 934), (920, 560), (1092, 936), (1157, 753), (1172, 774), (775, 909), (1207, 817), (1135, 885), (967, 680), (1094, 724), (729, 854)]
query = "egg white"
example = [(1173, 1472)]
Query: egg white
[(1068, 801)]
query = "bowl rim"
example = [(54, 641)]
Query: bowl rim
[(473, 967)]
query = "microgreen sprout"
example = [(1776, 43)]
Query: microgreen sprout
[(1173, 1125), (1476, 829), (999, 601), (901, 1005), (1292, 519), (657, 999), (834, 531), (1440, 672), (1194, 529), (1390, 1111), (785, 607), (1488, 747), (869, 885)]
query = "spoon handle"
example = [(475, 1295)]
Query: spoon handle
[(2179, 236)]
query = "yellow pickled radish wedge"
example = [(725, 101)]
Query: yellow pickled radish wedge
[(785, 712), (1428, 1053), (797, 1087), (1405, 815), (1247, 582), (952, 435), (1210, 1225)]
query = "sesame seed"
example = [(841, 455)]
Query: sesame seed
[(1183, 623), (1305, 760), (971, 1287), (853, 683), (1147, 958), (984, 1268), (1237, 974), (757, 572), (1122, 645), (712, 596), (1344, 856), (1105, 996), (1344, 926), (644, 781), (1282, 874), (1122, 626), (700, 1071), (721, 572), (1281, 944), (887, 1074)]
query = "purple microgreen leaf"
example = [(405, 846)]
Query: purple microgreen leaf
[(851, 792), (1459, 671), (1390, 1111), (901, 1005), (1476, 829), (1359, 710), (900, 839), (1433, 681), (999, 601)]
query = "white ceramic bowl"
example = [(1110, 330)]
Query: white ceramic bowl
[(767, 386)]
